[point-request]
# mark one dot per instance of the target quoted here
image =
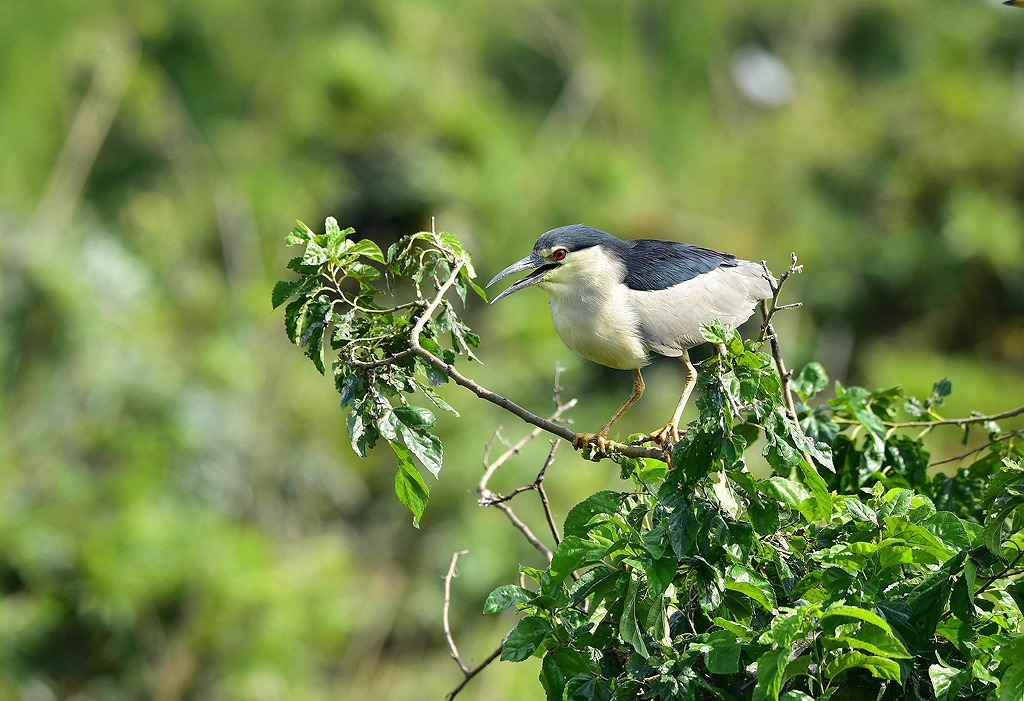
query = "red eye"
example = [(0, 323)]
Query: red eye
[(559, 254)]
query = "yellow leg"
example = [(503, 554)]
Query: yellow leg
[(601, 437), (671, 430)]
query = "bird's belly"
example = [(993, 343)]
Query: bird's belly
[(592, 327)]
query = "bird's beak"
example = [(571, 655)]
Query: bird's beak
[(531, 262), (1014, 3)]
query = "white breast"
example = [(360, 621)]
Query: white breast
[(590, 317)]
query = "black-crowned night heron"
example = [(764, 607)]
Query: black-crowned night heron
[(616, 302)]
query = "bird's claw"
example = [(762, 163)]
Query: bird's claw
[(667, 436), (584, 441)]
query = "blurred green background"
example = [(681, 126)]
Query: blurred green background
[(180, 514)]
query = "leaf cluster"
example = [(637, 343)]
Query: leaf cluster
[(846, 574), (375, 367)]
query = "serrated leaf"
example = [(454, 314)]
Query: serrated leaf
[(559, 666), (580, 518), (505, 597), (284, 289), (589, 582), (587, 687), (425, 446), (525, 639), (810, 380), (366, 248), (570, 554)]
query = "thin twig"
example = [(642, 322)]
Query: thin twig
[(966, 421), (995, 441), (539, 483), (475, 671), (769, 309), (527, 532), (447, 607)]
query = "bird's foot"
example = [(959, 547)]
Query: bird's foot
[(667, 436), (584, 441)]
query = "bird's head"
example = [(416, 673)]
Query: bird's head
[(558, 255)]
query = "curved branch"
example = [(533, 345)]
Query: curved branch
[(416, 349)]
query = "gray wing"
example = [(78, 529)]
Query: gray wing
[(671, 318)]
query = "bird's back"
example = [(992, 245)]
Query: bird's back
[(676, 288)]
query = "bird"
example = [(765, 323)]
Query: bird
[(1014, 3), (617, 302)]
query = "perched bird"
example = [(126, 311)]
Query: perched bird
[(616, 302), (1014, 3)]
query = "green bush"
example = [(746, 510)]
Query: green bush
[(850, 572)]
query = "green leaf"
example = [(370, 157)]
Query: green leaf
[(570, 554), (822, 497), (790, 493), (876, 641), (723, 654), (589, 582), (525, 639), (559, 666), (581, 517), (283, 290), (949, 528), (749, 583), (1011, 686), (587, 687), (771, 668), (505, 597), (415, 417), (409, 485), (810, 380), (298, 236), (629, 627), (862, 614), (947, 681), (859, 510), (879, 667), (366, 248), (295, 319)]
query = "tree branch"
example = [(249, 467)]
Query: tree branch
[(416, 349), (447, 608), (769, 309), (966, 421), (467, 672)]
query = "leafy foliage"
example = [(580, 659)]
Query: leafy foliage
[(838, 576), (334, 306), (849, 572)]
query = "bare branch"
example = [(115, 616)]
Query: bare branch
[(467, 672), (475, 671), (539, 483), (966, 421), (768, 310), (995, 441), (447, 607)]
